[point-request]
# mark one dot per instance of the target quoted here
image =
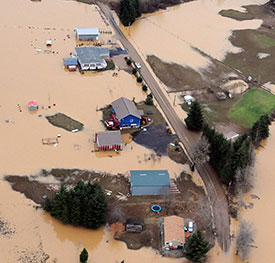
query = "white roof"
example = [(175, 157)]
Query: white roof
[(87, 31), (188, 97)]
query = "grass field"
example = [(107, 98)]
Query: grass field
[(252, 105), (265, 41), (236, 15)]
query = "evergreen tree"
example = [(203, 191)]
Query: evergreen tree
[(127, 12), (260, 129), (83, 257), (136, 4), (196, 247), (194, 120)]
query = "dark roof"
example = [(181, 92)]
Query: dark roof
[(70, 61), (149, 178), (109, 138), (135, 221), (124, 107)]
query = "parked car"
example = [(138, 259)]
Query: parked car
[(138, 65), (190, 227)]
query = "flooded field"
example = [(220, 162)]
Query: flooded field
[(197, 25), (30, 71)]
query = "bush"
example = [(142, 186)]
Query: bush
[(149, 99), (145, 238), (144, 88), (139, 79), (129, 61), (83, 257), (134, 71)]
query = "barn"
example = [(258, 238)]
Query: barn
[(110, 140), (149, 182), (126, 112), (87, 34)]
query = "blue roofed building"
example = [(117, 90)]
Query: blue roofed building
[(126, 113), (149, 182), (70, 63)]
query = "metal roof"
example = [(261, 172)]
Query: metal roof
[(87, 31), (149, 178), (174, 229), (70, 61), (91, 54), (124, 107), (109, 138)]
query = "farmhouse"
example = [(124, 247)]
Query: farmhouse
[(91, 58), (87, 33), (110, 140), (149, 182), (126, 113), (173, 232), (70, 64)]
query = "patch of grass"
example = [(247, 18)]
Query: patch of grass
[(185, 107), (240, 16), (264, 41), (252, 105), (63, 121), (110, 64), (156, 116)]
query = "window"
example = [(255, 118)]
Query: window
[(132, 120)]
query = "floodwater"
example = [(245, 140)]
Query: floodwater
[(28, 72), (174, 35)]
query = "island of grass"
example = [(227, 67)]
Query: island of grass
[(234, 14), (252, 105), (63, 121)]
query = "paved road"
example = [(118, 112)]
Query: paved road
[(214, 188)]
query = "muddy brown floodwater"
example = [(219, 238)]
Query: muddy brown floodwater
[(30, 71)]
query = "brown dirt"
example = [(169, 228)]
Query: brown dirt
[(183, 204)]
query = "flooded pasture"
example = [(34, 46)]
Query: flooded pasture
[(32, 71)]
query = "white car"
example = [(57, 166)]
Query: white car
[(190, 227), (138, 65)]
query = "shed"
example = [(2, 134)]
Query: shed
[(110, 140), (134, 225), (188, 99), (149, 182), (32, 105), (48, 43), (126, 112), (91, 58), (70, 63), (87, 34), (173, 232)]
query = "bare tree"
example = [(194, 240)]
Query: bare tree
[(245, 239), (203, 213), (146, 237), (117, 214), (200, 153), (244, 179)]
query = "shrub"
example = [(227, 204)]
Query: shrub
[(83, 257), (134, 71), (144, 88), (129, 61), (146, 237), (139, 79)]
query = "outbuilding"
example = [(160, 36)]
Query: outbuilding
[(32, 105), (110, 140), (173, 232), (92, 58), (149, 182), (134, 225), (70, 63), (87, 34), (126, 113)]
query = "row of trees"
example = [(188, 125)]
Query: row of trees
[(260, 129), (228, 157), (129, 11), (83, 205)]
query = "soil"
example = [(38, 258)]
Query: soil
[(183, 204), (177, 154), (63, 121), (154, 137)]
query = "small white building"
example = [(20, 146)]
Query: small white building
[(188, 99), (87, 34)]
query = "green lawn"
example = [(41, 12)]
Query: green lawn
[(264, 41), (236, 14), (252, 105)]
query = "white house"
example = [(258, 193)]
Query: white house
[(92, 58), (87, 33)]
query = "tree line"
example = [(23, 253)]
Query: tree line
[(84, 205), (129, 10)]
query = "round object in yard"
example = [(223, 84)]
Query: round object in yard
[(156, 208)]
